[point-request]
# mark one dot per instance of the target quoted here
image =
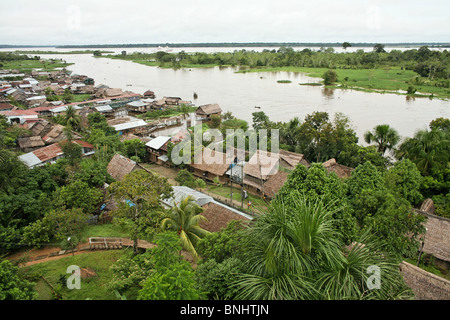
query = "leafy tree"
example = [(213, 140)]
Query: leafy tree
[(12, 285), (383, 136), (135, 148), (390, 217), (329, 77), (78, 194), (138, 198), (379, 48), (184, 219), (215, 278), (260, 120), (222, 244), (315, 183), (186, 178), (172, 278), (346, 45), (405, 180), (365, 177)]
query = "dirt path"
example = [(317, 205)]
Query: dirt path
[(35, 255)]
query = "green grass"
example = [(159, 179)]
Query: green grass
[(29, 65), (94, 288), (258, 204), (80, 97), (387, 80), (103, 230)]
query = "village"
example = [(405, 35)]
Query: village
[(122, 110), (239, 187)]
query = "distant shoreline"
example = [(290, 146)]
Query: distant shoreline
[(234, 44)]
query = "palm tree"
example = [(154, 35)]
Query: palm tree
[(72, 118), (294, 252), (290, 130), (427, 149), (184, 219), (384, 136)]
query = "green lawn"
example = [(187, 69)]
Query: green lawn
[(93, 288)]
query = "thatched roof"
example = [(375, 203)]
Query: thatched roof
[(212, 161), (341, 171), (120, 166), (208, 109), (290, 159), (30, 142), (274, 183), (218, 216), (261, 164)]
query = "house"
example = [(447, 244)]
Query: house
[(341, 171), (259, 168), (218, 215), (61, 109), (104, 109), (212, 164), (149, 94), (5, 106), (51, 153), (56, 134), (274, 183), (289, 160), (120, 166), (28, 144), (205, 112), (138, 106), (35, 100), (19, 116), (129, 127), (157, 149)]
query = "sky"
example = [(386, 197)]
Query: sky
[(82, 22)]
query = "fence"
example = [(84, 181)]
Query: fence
[(105, 243)]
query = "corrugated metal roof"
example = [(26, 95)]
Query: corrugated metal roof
[(103, 108), (129, 125), (158, 142), (182, 192), (29, 159)]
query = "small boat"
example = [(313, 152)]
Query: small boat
[(257, 107)]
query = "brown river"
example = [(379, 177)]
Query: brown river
[(245, 93)]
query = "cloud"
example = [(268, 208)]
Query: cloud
[(51, 22)]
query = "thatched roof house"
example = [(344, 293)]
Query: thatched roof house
[(289, 160), (274, 183), (218, 216), (120, 166), (28, 144), (208, 110), (341, 171), (210, 164)]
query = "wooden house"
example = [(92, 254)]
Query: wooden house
[(259, 168), (205, 112), (120, 166), (211, 164), (157, 149), (274, 183)]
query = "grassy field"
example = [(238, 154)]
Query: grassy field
[(29, 65), (384, 80), (92, 288)]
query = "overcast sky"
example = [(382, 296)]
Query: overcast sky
[(57, 22)]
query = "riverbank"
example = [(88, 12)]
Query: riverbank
[(394, 80), (381, 80)]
